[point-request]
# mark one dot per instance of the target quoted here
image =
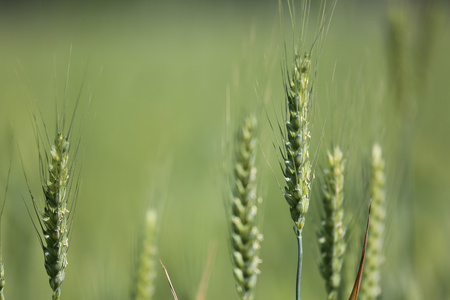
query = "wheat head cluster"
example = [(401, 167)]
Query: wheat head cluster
[(314, 184)]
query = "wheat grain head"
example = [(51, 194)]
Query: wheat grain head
[(370, 287), (146, 266), (332, 234), (245, 235), (297, 169)]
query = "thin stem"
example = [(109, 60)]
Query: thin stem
[(299, 265)]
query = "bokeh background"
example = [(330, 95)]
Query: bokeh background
[(156, 81)]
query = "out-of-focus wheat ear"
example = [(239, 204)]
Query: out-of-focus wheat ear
[(245, 235), (331, 237), (370, 287), (398, 57), (144, 287)]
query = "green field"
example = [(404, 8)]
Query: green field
[(159, 77)]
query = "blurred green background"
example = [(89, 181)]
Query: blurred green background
[(159, 76)]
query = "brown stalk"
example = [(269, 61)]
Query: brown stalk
[(170, 283), (355, 291)]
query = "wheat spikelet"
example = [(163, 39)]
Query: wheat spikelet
[(370, 287), (245, 236), (331, 238), (146, 267)]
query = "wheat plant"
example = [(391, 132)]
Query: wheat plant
[(146, 266), (57, 170), (370, 287), (332, 234), (297, 163), (245, 235), (55, 217)]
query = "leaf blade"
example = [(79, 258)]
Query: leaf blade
[(355, 291), (170, 283)]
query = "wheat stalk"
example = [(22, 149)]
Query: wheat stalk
[(331, 238), (245, 235), (146, 267), (370, 287)]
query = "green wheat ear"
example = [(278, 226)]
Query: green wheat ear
[(370, 287), (331, 237), (297, 171), (146, 266), (245, 235), (297, 164), (55, 220), (55, 216)]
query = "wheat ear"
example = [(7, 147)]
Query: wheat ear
[(398, 61), (331, 238), (245, 236), (297, 169), (55, 218), (370, 287), (146, 267)]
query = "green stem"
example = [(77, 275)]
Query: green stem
[(299, 265)]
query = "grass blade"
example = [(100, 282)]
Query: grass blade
[(355, 291), (170, 282), (201, 293)]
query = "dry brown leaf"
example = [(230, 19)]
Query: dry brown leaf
[(355, 291), (170, 283)]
